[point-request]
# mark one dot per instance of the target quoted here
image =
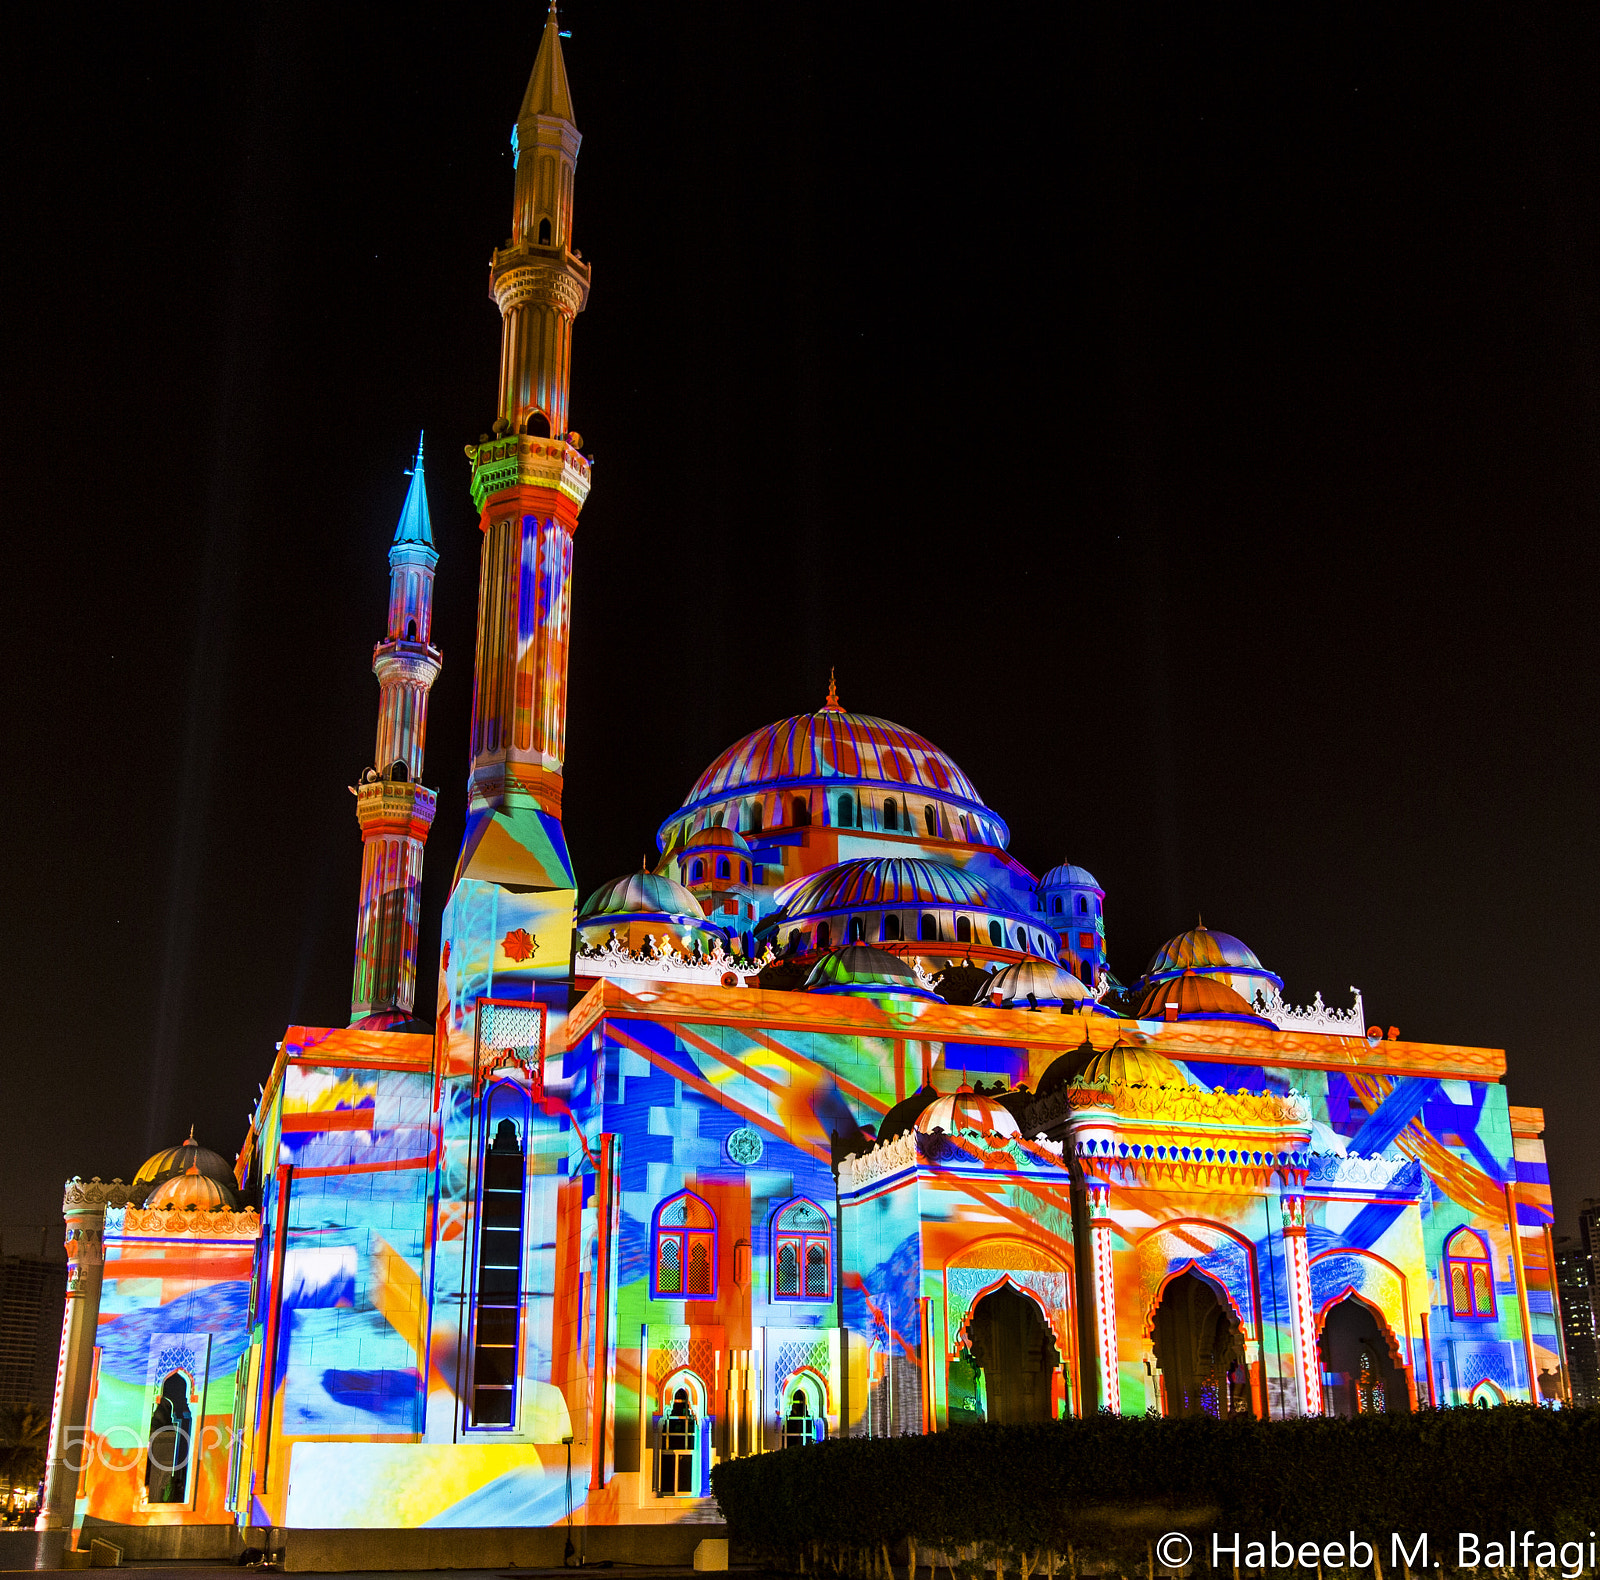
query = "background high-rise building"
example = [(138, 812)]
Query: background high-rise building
[(1575, 1285), (33, 1290)]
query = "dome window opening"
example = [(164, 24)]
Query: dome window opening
[(800, 812), (997, 935), (966, 829), (544, 233), (744, 872), (697, 872), (847, 811), (891, 929), (824, 935), (755, 817), (963, 929), (1083, 905), (1055, 905), (724, 869), (931, 818), (891, 814), (857, 930), (928, 929)]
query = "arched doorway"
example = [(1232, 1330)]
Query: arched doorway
[(166, 1475), (1015, 1352), (1359, 1374), (1199, 1351)]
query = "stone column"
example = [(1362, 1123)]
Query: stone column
[(1105, 1297), (84, 1208), (1308, 1364)]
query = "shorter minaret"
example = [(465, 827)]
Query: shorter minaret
[(393, 808)]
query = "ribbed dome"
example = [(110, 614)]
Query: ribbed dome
[(717, 838), (1200, 947), (1068, 876), (192, 1189), (179, 1160), (646, 892), (1066, 1068), (1195, 997), (832, 745), (882, 880), (965, 1110), (1049, 984), (859, 968), (1122, 1064)]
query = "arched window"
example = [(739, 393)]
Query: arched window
[(744, 872), (928, 928), (858, 930), (931, 818), (800, 812), (1469, 1273), (399, 773), (963, 929), (697, 871), (802, 1252), (824, 935), (847, 811), (997, 935), (411, 630), (544, 233), (1055, 905), (1022, 939), (891, 929), (891, 813), (1086, 971), (678, 1471), (724, 868), (755, 817), (1083, 905), (498, 1305), (685, 1251)]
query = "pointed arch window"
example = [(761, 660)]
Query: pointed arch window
[(685, 1249), (803, 1422), (497, 1308), (1469, 1276), (802, 1252)]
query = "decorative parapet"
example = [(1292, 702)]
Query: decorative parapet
[(1171, 1104), (1316, 1017), (529, 461), (660, 962), (969, 1147), (1351, 1169), (890, 1157), (81, 1193), (218, 1223)]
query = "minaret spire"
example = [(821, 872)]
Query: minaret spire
[(393, 809)]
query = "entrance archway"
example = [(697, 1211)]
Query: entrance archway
[(1013, 1348), (1360, 1376), (1199, 1351)]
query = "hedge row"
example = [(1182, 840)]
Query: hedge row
[(1102, 1489)]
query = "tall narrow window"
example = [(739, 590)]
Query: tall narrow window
[(697, 872), (1469, 1272), (928, 928), (685, 1249), (800, 812), (1055, 905), (847, 811), (497, 1309), (1369, 1387), (857, 930), (724, 871), (1083, 904), (996, 936), (891, 929), (166, 1473), (824, 935), (931, 819), (744, 872), (891, 814), (963, 929), (802, 1252), (755, 817)]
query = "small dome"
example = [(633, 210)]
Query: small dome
[(1122, 1064), (642, 893), (964, 1109), (1049, 984), (904, 1115), (1202, 949), (191, 1189), (883, 880), (1195, 997), (1068, 876), (718, 838), (178, 1160), (1068, 1067), (859, 968), (964, 984)]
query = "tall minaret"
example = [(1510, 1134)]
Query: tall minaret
[(529, 481), (394, 810)]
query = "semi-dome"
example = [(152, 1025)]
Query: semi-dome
[(1040, 983), (1124, 1064), (964, 1109), (642, 893), (192, 1189), (177, 1160), (863, 970), (1195, 997)]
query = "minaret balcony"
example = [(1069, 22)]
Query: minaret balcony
[(521, 459), (400, 808), (406, 663)]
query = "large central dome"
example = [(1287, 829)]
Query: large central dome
[(836, 750)]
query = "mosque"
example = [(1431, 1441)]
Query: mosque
[(833, 1121)]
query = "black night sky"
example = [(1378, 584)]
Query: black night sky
[(1187, 419)]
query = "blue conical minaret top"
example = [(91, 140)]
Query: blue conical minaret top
[(415, 526)]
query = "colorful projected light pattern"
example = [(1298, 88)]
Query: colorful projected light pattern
[(834, 1123)]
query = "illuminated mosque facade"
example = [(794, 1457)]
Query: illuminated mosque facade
[(833, 1122)]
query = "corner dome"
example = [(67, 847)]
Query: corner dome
[(861, 969), (716, 838), (642, 893), (168, 1164), (1195, 997), (964, 1109), (1123, 1064), (192, 1189), (1047, 984), (1069, 876)]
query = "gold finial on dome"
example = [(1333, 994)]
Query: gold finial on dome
[(832, 705)]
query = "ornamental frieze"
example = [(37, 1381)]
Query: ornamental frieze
[(220, 1223), (95, 1192), (1171, 1105)]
